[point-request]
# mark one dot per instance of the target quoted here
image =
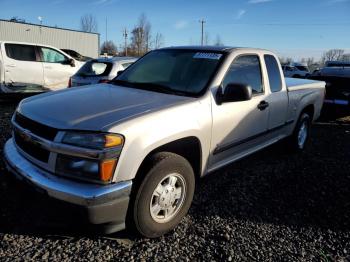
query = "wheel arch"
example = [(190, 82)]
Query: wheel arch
[(310, 109), (188, 147)]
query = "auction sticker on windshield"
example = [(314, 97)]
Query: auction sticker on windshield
[(213, 56)]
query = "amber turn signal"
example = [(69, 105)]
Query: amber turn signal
[(113, 140), (107, 169)]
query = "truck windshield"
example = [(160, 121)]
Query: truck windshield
[(182, 72)]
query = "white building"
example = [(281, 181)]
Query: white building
[(84, 43)]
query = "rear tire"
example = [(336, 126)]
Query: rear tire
[(164, 196), (300, 137)]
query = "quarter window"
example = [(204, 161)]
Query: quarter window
[(273, 73), (52, 56), (246, 70), (21, 52)]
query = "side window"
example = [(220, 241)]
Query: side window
[(246, 69), (20, 52), (273, 73), (125, 65), (52, 56)]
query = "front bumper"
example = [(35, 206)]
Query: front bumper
[(105, 204)]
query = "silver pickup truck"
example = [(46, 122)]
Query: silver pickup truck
[(130, 151)]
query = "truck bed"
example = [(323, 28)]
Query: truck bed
[(297, 84), (302, 91)]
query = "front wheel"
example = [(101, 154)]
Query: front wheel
[(300, 136), (164, 196)]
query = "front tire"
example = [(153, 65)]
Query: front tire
[(164, 196)]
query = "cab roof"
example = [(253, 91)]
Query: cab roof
[(211, 48)]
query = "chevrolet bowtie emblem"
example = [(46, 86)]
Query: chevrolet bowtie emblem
[(25, 135)]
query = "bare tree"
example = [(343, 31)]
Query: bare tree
[(109, 47), (141, 36), (286, 60), (218, 41), (88, 23), (332, 55), (137, 39), (310, 62), (158, 41), (346, 57), (17, 19)]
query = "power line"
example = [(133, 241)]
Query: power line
[(290, 24)]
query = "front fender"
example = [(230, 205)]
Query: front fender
[(149, 132)]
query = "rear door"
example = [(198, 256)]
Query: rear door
[(57, 68), (278, 97), (23, 71)]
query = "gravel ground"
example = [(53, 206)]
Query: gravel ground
[(270, 206)]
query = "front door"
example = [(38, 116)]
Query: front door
[(239, 126), (57, 69)]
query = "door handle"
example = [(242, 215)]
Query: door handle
[(48, 67), (11, 65), (263, 105)]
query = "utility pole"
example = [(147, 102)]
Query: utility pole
[(202, 24), (40, 18), (125, 35)]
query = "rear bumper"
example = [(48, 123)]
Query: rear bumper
[(104, 203), (340, 102)]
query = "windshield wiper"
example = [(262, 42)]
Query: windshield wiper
[(159, 88), (150, 86), (122, 83)]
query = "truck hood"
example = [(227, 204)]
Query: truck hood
[(95, 107)]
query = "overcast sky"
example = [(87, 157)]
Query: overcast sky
[(298, 28)]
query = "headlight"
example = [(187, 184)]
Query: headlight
[(100, 169), (93, 140)]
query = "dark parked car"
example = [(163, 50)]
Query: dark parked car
[(337, 76), (76, 55)]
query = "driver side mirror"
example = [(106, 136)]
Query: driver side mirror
[(234, 92), (70, 62)]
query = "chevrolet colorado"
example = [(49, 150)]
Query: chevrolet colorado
[(130, 151)]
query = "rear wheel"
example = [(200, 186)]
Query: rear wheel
[(164, 195), (298, 140)]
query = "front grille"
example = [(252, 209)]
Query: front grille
[(31, 148), (35, 127)]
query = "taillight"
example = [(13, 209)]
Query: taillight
[(103, 81), (70, 82)]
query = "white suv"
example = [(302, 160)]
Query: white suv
[(295, 70), (26, 67)]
